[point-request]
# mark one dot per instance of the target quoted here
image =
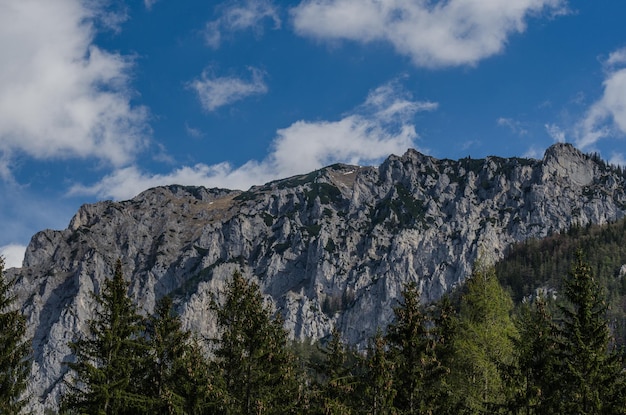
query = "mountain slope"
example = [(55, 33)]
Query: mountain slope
[(330, 248)]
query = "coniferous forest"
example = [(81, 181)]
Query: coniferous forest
[(538, 333)]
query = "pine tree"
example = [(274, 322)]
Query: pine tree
[(590, 376), (484, 343), (14, 351), (412, 351), (109, 366), (258, 368)]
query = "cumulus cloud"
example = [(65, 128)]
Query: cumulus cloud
[(60, 95), (607, 116), (239, 16), (13, 255), (215, 92), (379, 127), (431, 33)]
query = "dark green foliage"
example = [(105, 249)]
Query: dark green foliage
[(334, 382), (444, 331), (402, 206), (412, 350), (108, 370), (327, 193), (591, 378), (543, 263), (330, 246), (565, 363), (14, 351), (201, 386), (253, 357), (246, 196), (379, 390), (177, 374), (531, 381)]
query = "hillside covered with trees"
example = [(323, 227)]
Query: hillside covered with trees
[(538, 266)]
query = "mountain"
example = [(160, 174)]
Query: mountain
[(331, 248)]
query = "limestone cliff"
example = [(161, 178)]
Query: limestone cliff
[(330, 248)]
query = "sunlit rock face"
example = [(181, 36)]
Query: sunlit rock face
[(332, 248)]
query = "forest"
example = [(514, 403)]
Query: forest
[(538, 333)]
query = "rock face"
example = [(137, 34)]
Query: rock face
[(330, 248)]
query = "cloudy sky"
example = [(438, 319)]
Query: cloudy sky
[(103, 99)]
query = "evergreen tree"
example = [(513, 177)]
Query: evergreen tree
[(108, 371), (258, 368), (204, 391), (444, 398), (334, 386), (412, 351), (378, 378), (484, 344), (176, 373), (590, 376), (532, 380), (14, 351)]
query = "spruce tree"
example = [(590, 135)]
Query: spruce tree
[(444, 331), (334, 388), (533, 378), (484, 345), (377, 378), (14, 351), (590, 375), (172, 386), (257, 366), (109, 367), (412, 351), (203, 389)]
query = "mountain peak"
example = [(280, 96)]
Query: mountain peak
[(564, 161)]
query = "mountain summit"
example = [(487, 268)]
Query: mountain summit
[(331, 248)]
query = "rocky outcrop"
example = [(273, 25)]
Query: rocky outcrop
[(332, 248)]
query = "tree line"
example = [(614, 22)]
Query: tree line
[(469, 353)]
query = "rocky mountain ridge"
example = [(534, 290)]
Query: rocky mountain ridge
[(329, 248)]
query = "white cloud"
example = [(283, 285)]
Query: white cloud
[(149, 3), (239, 16), (533, 153), (60, 95), (193, 132), (617, 159), (379, 127), (556, 133), (13, 255), (515, 126), (607, 116), (431, 33), (215, 92), (617, 57)]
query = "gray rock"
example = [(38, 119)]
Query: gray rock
[(332, 248)]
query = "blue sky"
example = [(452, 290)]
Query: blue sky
[(104, 99)]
